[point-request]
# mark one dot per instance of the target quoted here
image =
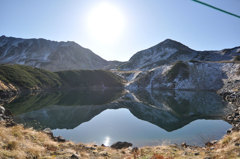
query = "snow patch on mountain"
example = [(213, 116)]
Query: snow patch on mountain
[(199, 76)]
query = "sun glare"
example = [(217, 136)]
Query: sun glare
[(107, 141), (105, 22)]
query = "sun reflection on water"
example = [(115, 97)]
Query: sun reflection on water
[(107, 141)]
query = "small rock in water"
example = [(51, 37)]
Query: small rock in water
[(120, 145)]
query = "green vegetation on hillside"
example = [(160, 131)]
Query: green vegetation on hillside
[(76, 97), (179, 69), (26, 77), (86, 78)]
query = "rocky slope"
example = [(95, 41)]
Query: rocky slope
[(170, 51), (187, 76), (7, 92), (49, 55)]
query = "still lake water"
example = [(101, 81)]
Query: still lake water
[(142, 118)]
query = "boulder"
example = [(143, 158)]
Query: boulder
[(210, 143), (120, 145), (196, 153), (229, 131), (8, 113), (1, 118), (2, 110), (135, 150), (104, 153), (60, 139), (184, 145), (48, 131), (229, 118), (74, 156)]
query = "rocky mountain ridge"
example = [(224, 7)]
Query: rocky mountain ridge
[(49, 55), (167, 65), (170, 51)]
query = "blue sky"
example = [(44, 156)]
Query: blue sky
[(147, 22)]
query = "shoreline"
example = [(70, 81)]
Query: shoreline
[(175, 151)]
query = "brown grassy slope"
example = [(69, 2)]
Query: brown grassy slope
[(20, 143)]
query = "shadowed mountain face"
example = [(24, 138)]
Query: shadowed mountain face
[(49, 55), (169, 110)]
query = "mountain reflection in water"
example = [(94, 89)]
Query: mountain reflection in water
[(168, 110)]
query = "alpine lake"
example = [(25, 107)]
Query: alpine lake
[(146, 117)]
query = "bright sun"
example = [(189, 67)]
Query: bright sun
[(105, 23)]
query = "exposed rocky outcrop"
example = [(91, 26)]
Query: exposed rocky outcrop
[(6, 117), (188, 76), (7, 92), (233, 117)]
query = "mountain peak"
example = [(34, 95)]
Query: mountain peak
[(3, 36), (169, 43)]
